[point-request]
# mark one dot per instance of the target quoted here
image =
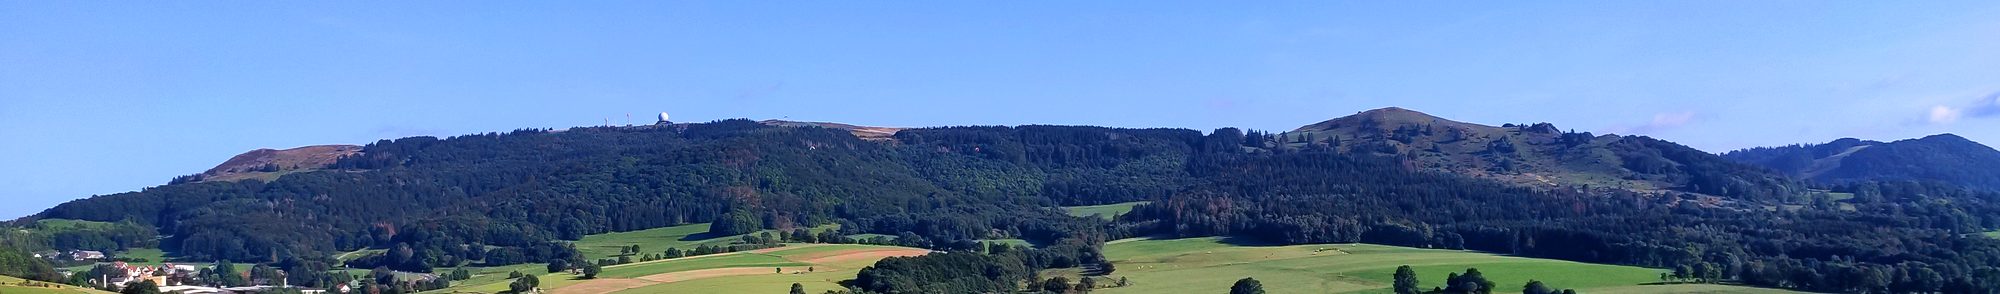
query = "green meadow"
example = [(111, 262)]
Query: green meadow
[(823, 277), (1107, 211), (650, 240), (1211, 265), (655, 241), (13, 285)]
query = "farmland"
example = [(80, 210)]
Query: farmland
[(1212, 264), (818, 266)]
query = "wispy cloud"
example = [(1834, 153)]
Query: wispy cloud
[(1660, 122), (1983, 107)]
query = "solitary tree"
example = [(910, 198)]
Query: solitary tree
[(525, 284), (798, 289), (558, 265), (1406, 280), (1247, 286), (590, 272)]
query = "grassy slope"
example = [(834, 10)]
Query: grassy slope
[(1014, 242), (11, 285), (825, 276), (1210, 265), (651, 241), (654, 241), (1106, 211), (70, 224), (698, 263)]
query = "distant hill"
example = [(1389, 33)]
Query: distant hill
[(1538, 154), (1944, 157), (864, 132), (268, 164)]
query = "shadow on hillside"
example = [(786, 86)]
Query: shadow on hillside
[(1250, 242), (1230, 240), (702, 236)]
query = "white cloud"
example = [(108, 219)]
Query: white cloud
[(1986, 106), (1944, 114), (1668, 120)]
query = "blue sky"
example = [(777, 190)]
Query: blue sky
[(105, 97)]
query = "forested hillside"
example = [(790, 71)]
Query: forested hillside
[(1945, 158), (1535, 154), (1388, 177), (522, 189)]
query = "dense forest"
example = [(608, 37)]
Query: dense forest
[(509, 198)]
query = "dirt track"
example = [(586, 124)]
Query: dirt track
[(602, 286), (709, 273)]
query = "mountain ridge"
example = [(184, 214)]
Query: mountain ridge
[(1942, 157), (1535, 154)]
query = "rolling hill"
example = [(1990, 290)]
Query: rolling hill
[(1537, 154), (1388, 176), (269, 164), (1944, 157)]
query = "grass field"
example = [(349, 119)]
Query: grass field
[(1014, 242), (818, 266), (871, 236), (653, 240), (593, 247), (1210, 265), (1106, 211), (698, 263), (825, 274), (70, 224), (657, 240), (12, 285), (494, 279)]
